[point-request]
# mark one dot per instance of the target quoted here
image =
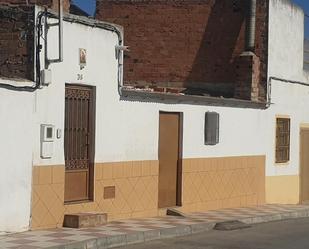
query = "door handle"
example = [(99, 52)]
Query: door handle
[(87, 139)]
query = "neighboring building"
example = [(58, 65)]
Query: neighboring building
[(81, 141), (192, 45)]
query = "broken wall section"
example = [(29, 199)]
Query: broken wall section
[(17, 28), (45, 3), (188, 44)]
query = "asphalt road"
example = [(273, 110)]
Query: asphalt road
[(288, 234)]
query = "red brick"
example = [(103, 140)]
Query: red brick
[(16, 42), (48, 3), (187, 41)]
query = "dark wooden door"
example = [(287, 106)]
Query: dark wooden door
[(304, 165), (170, 140), (79, 142)]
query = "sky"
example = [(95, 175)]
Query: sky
[(305, 5), (89, 7), (86, 5)]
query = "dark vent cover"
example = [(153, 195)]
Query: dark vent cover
[(211, 128)]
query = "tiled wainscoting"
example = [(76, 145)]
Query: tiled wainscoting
[(208, 183), (136, 185), (214, 183)]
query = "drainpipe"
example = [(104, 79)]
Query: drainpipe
[(250, 25)]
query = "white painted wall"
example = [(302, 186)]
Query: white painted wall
[(127, 130), (16, 112), (285, 60)]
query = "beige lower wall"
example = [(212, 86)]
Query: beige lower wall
[(282, 189), (214, 183), (136, 185), (208, 183)]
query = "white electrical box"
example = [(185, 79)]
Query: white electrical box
[(47, 140), (46, 77)]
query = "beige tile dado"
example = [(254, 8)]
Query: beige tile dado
[(136, 184), (208, 183), (214, 183)]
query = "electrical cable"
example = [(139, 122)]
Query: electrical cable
[(37, 58)]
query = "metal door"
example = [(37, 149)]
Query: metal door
[(79, 142), (304, 165), (170, 141)]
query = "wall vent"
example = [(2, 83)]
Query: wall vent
[(211, 128)]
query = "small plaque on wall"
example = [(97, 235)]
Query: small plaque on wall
[(82, 57)]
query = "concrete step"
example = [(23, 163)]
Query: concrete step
[(175, 212), (83, 220)]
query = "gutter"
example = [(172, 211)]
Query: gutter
[(271, 78)]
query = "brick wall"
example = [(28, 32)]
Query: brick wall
[(187, 43), (48, 3), (17, 34), (16, 42), (261, 44)]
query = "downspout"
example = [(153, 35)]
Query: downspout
[(250, 25), (119, 55)]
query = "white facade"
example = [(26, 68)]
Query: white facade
[(285, 61), (128, 130)]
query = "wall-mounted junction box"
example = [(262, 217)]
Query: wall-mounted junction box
[(47, 140), (46, 77)]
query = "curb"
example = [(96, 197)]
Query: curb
[(141, 237)]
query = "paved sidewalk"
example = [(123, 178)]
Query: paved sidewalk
[(132, 231)]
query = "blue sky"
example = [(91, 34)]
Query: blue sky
[(89, 7), (86, 5), (305, 5)]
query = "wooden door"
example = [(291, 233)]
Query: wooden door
[(304, 165), (79, 142), (170, 141)]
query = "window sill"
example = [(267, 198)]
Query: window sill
[(282, 164)]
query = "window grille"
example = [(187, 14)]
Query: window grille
[(282, 140)]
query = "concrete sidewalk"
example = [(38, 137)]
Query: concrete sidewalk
[(125, 232)]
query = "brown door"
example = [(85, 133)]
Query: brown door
[(170, 140), (79, 142), (304, 165)]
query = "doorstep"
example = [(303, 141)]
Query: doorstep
[(132, 231)]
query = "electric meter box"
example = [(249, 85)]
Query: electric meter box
[(46, 77), (47, 140)]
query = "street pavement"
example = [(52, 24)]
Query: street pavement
[(287, 234)]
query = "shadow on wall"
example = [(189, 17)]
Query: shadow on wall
[(213, 71), (180, 44)]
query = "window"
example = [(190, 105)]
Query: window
[(211, 128), (283, 140)]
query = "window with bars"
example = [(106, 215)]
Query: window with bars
[(282, 140)]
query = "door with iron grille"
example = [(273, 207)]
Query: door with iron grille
[(79, 142)]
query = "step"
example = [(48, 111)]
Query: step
[(175, 212), (84, 220)]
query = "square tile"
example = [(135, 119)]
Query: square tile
[(58, 235), (21, 241)]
